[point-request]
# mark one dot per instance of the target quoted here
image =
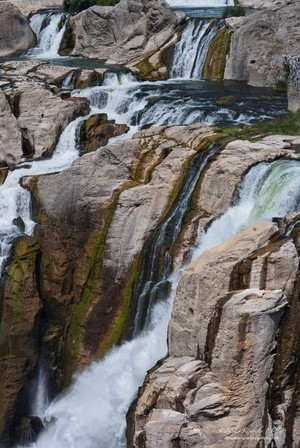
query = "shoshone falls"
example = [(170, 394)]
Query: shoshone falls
[(149, 224)]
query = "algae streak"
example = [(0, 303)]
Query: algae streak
[(214, 66)]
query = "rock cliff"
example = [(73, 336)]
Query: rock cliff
[(231, 375), (273, 33)]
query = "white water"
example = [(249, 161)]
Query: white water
[(92, 414), (191, 51), (48, 37), (15, 200)]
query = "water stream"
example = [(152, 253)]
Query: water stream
[(92, 413)]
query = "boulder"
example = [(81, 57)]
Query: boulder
[(11, 148), (273, 33), (41, 117), (29, 7), (231, 374), (128, 33), (16, 35), (97, 130)]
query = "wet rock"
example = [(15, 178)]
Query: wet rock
[(96, 227), (126, 33), (293, 67), (20, 307), (16, 35), (97, 130), (42, 116), (28, 430), (273, 33), (235, 332)]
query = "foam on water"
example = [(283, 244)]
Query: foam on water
[(93, 411)]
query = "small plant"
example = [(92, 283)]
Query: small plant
[(226, 100), (281, 85), (80, 5)]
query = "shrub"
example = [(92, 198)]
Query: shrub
[(226, 100)]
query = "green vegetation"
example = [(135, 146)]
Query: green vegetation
[(80, 5), (214, 66), (226, 100), (281, 85), (288, 125)]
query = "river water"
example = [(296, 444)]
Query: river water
[(92, 413)]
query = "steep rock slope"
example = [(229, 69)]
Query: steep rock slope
[(231, 378), (273, 33)]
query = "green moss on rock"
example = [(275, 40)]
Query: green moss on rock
[(214, 66)]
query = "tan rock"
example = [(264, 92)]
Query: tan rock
[(128, 32), (16, 35), (29, 7), (273, 34), (10, 148)]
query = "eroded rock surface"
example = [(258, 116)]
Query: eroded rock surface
[(273, 33), (227, 380), (128, 33), (16, 35)]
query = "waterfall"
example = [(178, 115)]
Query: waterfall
[(153, 283), (93, 411), (191, 51), (49, 29)]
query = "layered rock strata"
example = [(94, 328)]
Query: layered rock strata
[(231, 375)]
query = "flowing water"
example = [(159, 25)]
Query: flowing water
[(199, 3), (191, 51), (92, 413), (49, 29)]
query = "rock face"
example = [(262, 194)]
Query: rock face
[(96, 227), (16, 36), (293, 66), (264, 3), (11, 149), (37, 117), (20, 308), (230, 376), (128, 33), (273, 34), (32, 6)]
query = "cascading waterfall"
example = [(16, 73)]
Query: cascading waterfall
[(156, 269), (191, 51), (49, 29), (92, 413), (140, 104)]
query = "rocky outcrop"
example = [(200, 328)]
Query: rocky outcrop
[(97, 216), (293, 67), (231, 377), (11, 149), (29, 7), (38, 117), (132, 32), (16, 36), (273, 34), (97, 130), (20, 308), (258, 4)]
